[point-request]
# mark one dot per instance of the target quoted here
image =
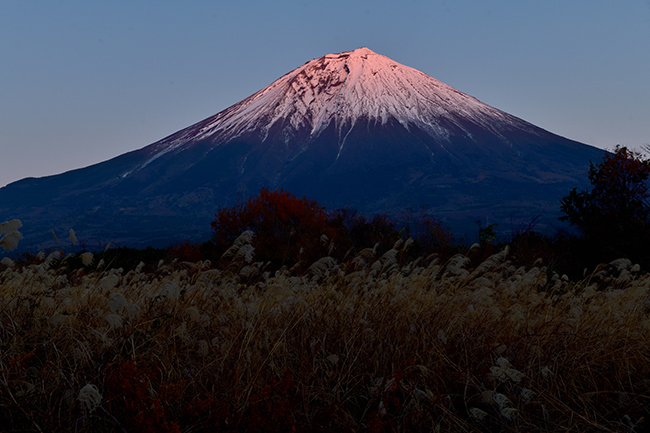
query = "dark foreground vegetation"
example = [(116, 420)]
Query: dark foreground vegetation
[(295, 318)]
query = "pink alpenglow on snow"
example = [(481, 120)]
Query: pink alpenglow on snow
[(343, 88)]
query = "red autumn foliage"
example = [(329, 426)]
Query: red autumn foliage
[(186, 252), (287, 229), (135, 405), (273, 407), (393, 411)]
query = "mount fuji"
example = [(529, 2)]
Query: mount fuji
[(354, 129)]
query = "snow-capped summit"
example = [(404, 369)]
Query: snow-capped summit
[(340, 90), (354, 129)]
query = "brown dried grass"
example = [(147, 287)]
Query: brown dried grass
[(371, 345)]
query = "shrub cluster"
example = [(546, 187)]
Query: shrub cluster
[(295, 232)]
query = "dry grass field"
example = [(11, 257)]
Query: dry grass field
[(370, 345)]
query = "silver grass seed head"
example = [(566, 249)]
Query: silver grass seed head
[(247, 252), (108, 282), (193, 313), (86, 258), (245, 238), (73, 237), (322, 266), (10, 226), (514, 375), (113, 320), (202, 348), (456, 265), (242, 242), (502, 401), (117, 303), (382, 408), (24, 388), (498, 373), (477, 413), (169, 291), (621, 264), (90, 396), (509, 413), (333, 359), (527, 394), (51, 259), (10, 241), (546, 372)]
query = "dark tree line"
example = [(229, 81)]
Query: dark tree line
[(290, 230), (614, 216)]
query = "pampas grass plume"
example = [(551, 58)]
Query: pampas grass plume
[(89, 395), (11, 234), (477, 413), (509, 413), (117, 303), (113, 320), (501, 400), (51, 259), (86, 258)]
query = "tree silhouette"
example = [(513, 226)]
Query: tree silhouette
[(614, 216)]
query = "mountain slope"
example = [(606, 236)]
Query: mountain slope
[(352, 129)]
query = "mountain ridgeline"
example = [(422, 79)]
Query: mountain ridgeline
[(354, 129)]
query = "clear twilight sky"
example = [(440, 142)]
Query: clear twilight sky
[(84, 81)]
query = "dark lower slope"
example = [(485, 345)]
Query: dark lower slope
[(467, 178), (372, 168)]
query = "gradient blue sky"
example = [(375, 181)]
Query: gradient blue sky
[(84, 81)]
